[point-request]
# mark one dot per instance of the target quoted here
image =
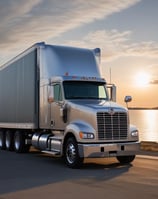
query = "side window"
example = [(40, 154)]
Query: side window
[(57, 92), (102, 93)]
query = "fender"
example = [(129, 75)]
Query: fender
[(78, 126)]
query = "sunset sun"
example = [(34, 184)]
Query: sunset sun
[(142, 79)]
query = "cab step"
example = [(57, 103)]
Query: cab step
[(54, 153)]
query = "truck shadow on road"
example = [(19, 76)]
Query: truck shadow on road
[(26, 171)]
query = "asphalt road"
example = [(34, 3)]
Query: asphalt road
[(38, 176)]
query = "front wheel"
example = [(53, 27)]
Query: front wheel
[(125, 159), (71, 155)]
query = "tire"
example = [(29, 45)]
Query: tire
[(19, 143), (2, 140), (71, 155), (9, 136), (125, 159)]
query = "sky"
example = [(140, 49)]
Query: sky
[(126, 31)]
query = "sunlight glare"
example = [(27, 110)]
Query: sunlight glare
[(142, 79)]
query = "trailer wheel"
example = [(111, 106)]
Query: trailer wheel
[(19, 143), (2, 139), (9, 136), (71, 155), (125, 159)]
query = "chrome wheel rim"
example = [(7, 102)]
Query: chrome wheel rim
[(71, 153)]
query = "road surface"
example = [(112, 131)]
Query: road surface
[(39, 176)]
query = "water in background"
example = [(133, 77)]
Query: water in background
[(146, 122)]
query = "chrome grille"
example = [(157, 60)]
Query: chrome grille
[(112, 126)]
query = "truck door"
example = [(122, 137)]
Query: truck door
[(56, 107)]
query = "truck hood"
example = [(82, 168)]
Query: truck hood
[(98, 105)]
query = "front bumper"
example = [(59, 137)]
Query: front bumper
[(108, 149)]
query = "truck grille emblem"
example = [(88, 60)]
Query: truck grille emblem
[(111, 111)]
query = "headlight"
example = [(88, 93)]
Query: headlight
[(134, 133), (85, 135)]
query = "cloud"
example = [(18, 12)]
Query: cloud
[(115, 44), (10, 10), (12, 15), (149, 49), (26, 22)]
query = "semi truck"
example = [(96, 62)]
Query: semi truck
[(54, 99)]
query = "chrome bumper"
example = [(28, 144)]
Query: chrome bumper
[(108, 149)]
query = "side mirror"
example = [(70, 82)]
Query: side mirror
[(128, 99)]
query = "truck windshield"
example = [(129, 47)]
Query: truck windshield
[(84, 90)]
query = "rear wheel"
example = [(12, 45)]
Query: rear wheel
[(125, 159), (9, 136), (71, 155), (19, 143), (2, 139)]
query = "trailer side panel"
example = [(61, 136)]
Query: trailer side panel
[(19, 93)]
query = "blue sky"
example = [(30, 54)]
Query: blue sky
[(125, 30)]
